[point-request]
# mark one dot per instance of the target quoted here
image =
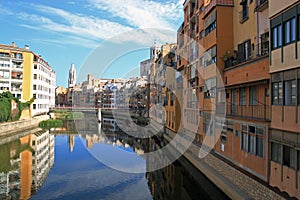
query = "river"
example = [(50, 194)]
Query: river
[(83, 163)]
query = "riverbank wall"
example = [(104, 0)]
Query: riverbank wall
[(230, 180), (9, 128)]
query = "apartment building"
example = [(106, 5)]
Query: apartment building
[(244, 134), (27, 75), (285, 71), (223, 49), (203, 37)]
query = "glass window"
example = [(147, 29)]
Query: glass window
[(252, 144), (210, 88), (274, 38), (276, 152), (244, 141), (259, 147), (277, 37), (293, 29), (253, 95), (290, 92), (290, 31), (289, 157), (243, 97), (277, 93), (287, 32)]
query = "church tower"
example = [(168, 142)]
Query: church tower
[(72, 76)]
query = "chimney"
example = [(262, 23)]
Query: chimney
[(26, 46), (13, 44)]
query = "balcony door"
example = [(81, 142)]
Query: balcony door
[(233, 101)]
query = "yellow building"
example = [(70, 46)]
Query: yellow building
[(27, 75)]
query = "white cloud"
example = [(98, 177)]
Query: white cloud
[(82, 26), (127, 17), (143, 13)]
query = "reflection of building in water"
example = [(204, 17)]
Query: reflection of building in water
[(42, 144), (71, 142), (10, 170), (109, 124), (25, 164)]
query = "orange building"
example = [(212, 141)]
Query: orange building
[(285, 84), (244, 135), (223, 48)]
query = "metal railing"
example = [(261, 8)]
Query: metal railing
[(259, 50), (256, 112)]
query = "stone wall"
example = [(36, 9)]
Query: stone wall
[(21, 125)]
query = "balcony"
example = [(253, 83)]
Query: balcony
[(213, 3), (261, 5), (254, 112), (260, 50)]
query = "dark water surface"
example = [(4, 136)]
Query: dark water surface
[(44, 165)]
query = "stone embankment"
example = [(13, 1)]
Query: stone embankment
[(21, 125), (231, 181)]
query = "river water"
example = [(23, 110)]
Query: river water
[(61, 164)]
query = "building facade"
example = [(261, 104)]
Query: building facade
[(285, 71), (27, 75)]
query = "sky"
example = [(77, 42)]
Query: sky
[(107, 38)]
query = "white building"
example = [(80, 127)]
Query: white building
[(44, 83)]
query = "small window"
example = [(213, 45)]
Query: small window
[(276, 152), (277, 37), (290, 31), (243, 96)]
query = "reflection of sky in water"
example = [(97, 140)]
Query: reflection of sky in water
[(78, 175)]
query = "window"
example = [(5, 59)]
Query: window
[(260, 147), (210, 56), (34, 76), (34, 106), (252, 140), (276, 152), (290, 31), (253, 95), (243, 96), (277, 37), (201, 8), (277, 93), (245, 11), (289, 157), (210, 28), (202, 34), (34, 87), (290, 92), (210, 88), (244, 51), (35, 67), (207, 124)]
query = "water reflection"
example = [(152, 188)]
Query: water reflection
[(25, 165), (58, 165)]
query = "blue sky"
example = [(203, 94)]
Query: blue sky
[(114, 34)]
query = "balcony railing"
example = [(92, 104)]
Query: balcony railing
[(217, 2), (260, 50), (261, 5), (256, 112)]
